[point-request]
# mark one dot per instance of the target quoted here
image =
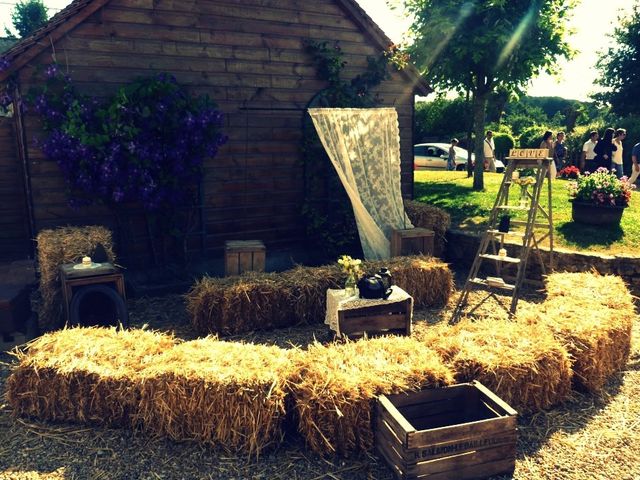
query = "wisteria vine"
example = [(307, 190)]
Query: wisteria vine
[(146, 143)]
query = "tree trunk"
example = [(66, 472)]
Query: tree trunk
[(479, 108), (469, 135)]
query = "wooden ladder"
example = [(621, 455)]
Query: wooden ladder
[(531, 232)]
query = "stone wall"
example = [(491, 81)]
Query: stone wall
[(461, 249)]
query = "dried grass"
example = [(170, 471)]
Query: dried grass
[(225, 394), (428, 216), (59, 246), (262, 301), (334, 387), (592, 315), (524, 365), (83, 374)]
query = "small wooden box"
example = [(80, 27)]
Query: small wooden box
[(412, 241), (243, 256), (460, 432), (392, 318)]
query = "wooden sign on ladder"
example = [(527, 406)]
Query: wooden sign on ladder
[(529, 230)]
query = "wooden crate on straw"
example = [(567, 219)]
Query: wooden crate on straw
[(464, 432)]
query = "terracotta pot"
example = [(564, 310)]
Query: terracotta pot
[(592, 214)]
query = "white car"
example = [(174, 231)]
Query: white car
[(433, 156)]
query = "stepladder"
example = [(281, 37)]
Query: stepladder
[(520, 223)]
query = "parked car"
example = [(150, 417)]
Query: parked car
[(433, 156)]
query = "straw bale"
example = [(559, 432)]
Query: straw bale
[(262, 301), (428, 216), (64, 245), (83, 374), (607, 290), (232, 305), (334, 387), (224, 394), (524, 365), (597, 337)]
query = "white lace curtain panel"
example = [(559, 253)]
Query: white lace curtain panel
[(364, 147)]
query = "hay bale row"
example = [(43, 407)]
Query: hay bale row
[(260, 301), (334, 388), (428, 216), (59, 246), (592, 315), (83, 374), (219, 393), (524, 365)]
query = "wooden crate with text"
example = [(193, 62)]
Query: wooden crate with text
[(461, 432)]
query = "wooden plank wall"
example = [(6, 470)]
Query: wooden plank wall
[(248, 56), (14, 221)]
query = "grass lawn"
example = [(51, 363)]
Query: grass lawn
[(469, 210)]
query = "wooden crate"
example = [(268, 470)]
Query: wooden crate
[(413, 241), (460, 432), (392, 318), (243, 256)]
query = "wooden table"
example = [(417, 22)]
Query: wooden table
[(100, 274)]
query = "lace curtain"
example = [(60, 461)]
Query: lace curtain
[(364, 147)]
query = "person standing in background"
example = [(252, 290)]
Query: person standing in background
[(560, 151), (635, 167), (451, 159), (489, 155), (616, 158), (604, 150), (548, 144), (586, 162)]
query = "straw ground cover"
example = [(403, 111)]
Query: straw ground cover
[(258, 301), (589, 436), (64, 245), (469, 210)]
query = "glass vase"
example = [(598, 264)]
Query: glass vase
[(350, 286), (524, 197)]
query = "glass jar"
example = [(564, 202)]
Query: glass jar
[(350, 286)]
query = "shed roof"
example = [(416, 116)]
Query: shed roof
[(78, 10)]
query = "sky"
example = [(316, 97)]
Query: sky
[(590, 20)]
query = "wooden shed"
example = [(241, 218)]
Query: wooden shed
[(248, 55)]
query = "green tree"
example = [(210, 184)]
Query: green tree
[(441, 118), (485, 46), (27, 16), (620, 67)]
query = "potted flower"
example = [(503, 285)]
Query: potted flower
[(599, 198), (569, 173)]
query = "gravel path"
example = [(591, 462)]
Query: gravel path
[(589, 437)]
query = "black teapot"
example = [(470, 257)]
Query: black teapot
[(374, 286)]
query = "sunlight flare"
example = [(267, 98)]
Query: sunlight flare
[(516, 38)]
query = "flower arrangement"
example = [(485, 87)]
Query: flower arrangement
[(146, 143), (349, 265), (570, 172), (601, 187), (524, 181)]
